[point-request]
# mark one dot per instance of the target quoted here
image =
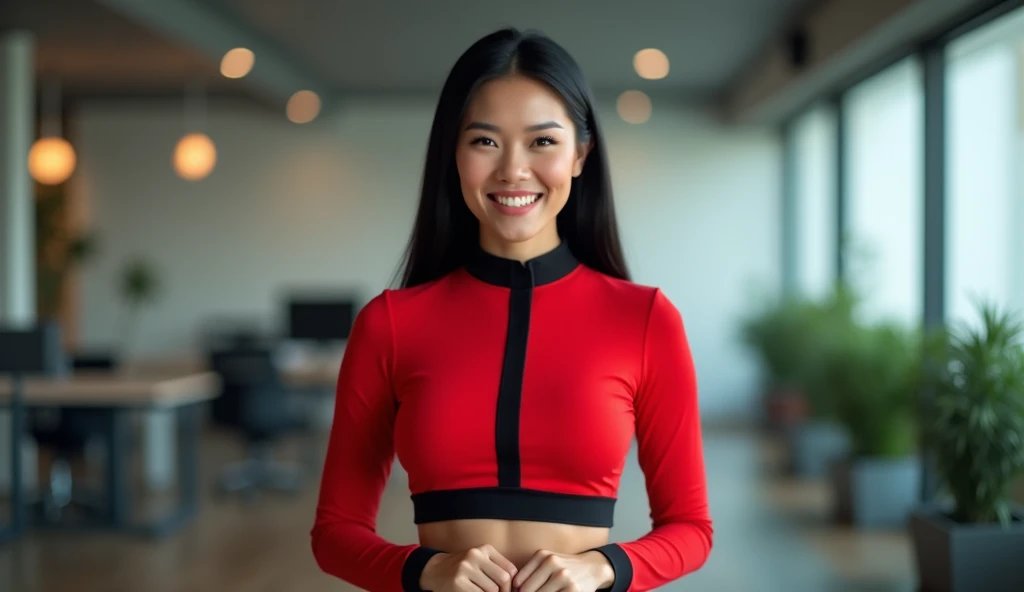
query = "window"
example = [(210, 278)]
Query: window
[(985, 159), (883, 232), (814, 154)]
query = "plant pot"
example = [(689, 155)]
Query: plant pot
[(813, 445), (954, 557), (784, 408), (876, 492)]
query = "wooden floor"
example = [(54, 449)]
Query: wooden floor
[(771, 535)]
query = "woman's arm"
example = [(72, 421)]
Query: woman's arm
[(672, 458), (360, 454)]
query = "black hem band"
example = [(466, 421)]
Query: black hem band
[(513, 503), (621, 565), (413, 568)]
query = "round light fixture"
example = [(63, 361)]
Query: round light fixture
[(303, 107), (651, 64), (237, 62), (51, 160), (634, 106), (194, 156)]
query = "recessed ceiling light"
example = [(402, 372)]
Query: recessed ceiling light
[(303, 106), (651, 64), (634, 106), (237, 62)]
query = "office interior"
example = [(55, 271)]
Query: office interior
[(197, 197)]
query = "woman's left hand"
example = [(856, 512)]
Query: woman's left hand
[(547, 571)]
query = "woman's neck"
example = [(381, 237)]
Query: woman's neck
[(521, 251)]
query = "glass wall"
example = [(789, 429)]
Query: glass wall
[(985, 160), (814, 153), (883, 245)]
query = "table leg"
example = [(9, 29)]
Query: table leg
[(18, 517), (119, 481), (187, 417)]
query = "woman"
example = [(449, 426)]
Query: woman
[(516, 363)]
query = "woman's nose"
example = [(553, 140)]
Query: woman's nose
[(513, 167)]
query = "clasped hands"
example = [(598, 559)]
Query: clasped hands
[(484, 569)]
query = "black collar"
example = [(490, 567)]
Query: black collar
[(550, 266)]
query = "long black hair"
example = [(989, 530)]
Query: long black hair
[(446, 232)]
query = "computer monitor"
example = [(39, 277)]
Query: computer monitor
[(320, 319)]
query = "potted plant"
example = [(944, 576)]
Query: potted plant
[(973, 538), (815, 441), (872, 372), (778, 335), (138, 286)]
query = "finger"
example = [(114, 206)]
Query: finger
[(558, 580), (527, 570), (502, 562), (482, 581), (498, 575), (538, 578)]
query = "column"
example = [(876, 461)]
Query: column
[(17, 227)]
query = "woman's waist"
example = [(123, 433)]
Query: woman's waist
[(516, 540)]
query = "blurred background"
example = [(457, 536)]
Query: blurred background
[(196, 198)]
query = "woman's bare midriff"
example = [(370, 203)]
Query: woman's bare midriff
[(515, 540)]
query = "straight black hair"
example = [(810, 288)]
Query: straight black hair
[(446, 232)]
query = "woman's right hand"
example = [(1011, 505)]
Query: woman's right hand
[(479, 568)]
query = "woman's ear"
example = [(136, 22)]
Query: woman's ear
[(581, 156)]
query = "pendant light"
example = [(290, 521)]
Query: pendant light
[(51, 160), (195, 155)]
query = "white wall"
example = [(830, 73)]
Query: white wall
[(334, 202)]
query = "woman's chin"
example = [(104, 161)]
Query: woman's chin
[(517, 234)]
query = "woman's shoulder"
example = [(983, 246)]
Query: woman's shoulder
[(388, 299), (627, 292)]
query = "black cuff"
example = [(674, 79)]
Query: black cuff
[(621, 565), (413, 568)]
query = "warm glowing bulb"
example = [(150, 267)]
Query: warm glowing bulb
[(651, 64), (634, 106), (194, 156), (51, 160), (237, 62), (303, 106)]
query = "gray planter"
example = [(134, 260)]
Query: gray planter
[(876, 492), (954, 557), (814, 445)]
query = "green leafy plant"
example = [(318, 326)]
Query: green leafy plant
[(870, 373), (139, 286), (779, 335), (787, 336), (975, 415)]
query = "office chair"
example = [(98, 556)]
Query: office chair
[(254, 402), (32, 351), (66, 431)]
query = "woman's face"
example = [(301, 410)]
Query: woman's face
[(517, 154)]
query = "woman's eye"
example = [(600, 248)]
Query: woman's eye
[(546, 141), (483, 141)]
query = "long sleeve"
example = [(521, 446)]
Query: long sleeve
[(358, 463), (670, 451)]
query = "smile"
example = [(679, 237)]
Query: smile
[(519, 201)]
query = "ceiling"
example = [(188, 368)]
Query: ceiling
[(402, 44), (94, 50), (117, 47)]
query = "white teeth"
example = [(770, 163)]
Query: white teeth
[(517, 202)]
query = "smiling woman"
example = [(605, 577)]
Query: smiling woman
[(517, 362), (517, 157)]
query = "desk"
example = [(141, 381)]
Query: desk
[(302, 373), (117, 395)]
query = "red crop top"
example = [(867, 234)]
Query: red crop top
[(513, 391)]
